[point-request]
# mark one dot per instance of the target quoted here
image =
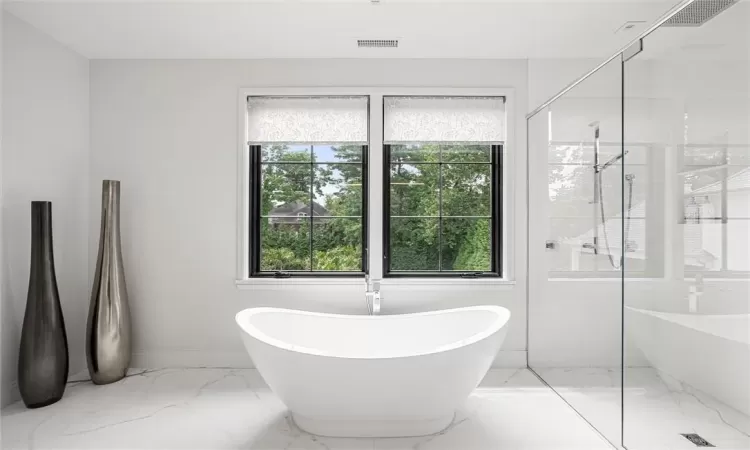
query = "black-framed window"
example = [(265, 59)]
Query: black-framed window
[(443, 210), (308, 210)]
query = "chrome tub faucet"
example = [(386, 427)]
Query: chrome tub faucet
[(372, 295)]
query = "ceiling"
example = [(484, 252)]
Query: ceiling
[(175, 29), (725, 37)]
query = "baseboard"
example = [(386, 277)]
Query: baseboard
[(13, 395), (509, 359), (191, 358)]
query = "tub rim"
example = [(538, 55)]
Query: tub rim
[(502, 316), (675, 318)]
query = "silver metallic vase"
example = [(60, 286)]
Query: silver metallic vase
[(108, 346), (43, 357)]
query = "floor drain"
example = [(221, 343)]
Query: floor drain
[(697, 440)]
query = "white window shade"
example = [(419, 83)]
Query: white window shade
[(444, 120), (307, 120)]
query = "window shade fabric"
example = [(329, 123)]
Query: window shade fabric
[(307, 120), (443, 119)]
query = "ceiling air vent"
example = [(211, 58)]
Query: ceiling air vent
[(377, 43), (698, 13)]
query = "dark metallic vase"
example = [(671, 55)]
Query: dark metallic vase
[(108, 346), (43, 358)]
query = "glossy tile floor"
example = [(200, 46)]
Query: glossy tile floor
[(658, 408), (234, 409)]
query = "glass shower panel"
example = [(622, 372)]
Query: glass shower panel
[(687, 313), (575, 246)]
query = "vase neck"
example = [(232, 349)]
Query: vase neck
[(41, 231), (110, 208)]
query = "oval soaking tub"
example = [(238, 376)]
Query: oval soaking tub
[(710, 352), (373, 376)]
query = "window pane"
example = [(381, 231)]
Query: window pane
[(285, 153), (466, 153), (466, 245), (467, 190), (415, 153), (337, 244), (337, 153), (414, 244), (338, 189), (414, 189), (285, 244), (285, 189), (738, 245), (430, 181)]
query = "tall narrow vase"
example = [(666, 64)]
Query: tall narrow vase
[(43, 358), (108, 329)]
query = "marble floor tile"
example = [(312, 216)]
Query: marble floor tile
[(657, 408), (234, 409)]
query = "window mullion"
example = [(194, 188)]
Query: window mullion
[(440, 209), (312, 199)]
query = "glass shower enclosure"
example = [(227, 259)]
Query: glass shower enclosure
[(639, 235)]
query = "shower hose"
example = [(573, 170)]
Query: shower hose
[(626, 234)]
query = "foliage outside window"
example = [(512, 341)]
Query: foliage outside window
[(442, 209), (311, 208)]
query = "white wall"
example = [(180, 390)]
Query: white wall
[(547, 77), (168, 131), (45, 157)]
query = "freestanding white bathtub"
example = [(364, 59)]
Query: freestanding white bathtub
[(373, 376), (710, 352)]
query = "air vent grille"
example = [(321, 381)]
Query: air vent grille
[(698, 13), (377, 43)]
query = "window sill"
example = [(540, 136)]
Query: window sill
[(254, 283), (251, 283), (448, 281)]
